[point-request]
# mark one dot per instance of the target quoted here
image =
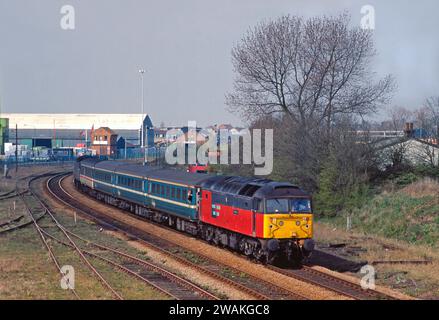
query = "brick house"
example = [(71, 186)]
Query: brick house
[(104, 141)]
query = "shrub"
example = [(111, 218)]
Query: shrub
[(406, 179)]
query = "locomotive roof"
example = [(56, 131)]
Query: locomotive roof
[(252, 187)]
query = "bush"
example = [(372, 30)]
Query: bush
[(427, 171), (406, 179), (327, 200)]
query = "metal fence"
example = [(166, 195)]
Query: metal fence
[(153, 155)]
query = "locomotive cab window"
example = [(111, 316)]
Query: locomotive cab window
[(300, 205), (277, 206)]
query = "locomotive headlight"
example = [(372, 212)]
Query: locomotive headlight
[(281, 223), (297, 223)]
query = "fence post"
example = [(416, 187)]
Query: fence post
[(348, 222)]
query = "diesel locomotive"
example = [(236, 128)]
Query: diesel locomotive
[(260, 218)]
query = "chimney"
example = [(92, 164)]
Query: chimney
[(408, 129)]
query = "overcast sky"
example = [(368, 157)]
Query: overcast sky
[(185, 47)]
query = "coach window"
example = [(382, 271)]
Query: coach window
[(173, 193), (178, 194), (167, 191)]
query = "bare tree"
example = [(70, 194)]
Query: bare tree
[(399, 116), (315, 77), (309, 70), (429, 154), (432, 109)]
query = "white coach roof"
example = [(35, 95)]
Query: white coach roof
[(114, 121)]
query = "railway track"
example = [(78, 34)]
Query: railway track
[(21, 221), (306, 273), (159, 278), (46, 244), (61, 228), (330, 282), (152, 275), (258, 288)]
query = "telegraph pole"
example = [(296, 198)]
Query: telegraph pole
[(142, 138), (16, 149)]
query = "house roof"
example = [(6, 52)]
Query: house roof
[(390, 142), (106, 130)]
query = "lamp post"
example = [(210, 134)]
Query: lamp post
[(142, 137)]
